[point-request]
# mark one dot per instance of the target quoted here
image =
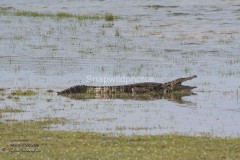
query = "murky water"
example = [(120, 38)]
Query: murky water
[(159, 39)]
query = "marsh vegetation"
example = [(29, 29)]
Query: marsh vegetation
[(45, 144), (60, 15)]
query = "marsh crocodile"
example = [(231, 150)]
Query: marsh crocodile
[(146, 90)]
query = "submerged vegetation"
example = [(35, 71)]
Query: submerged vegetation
[(29, 136), (60, 15)]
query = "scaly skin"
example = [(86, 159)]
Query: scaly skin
[(136, 88)]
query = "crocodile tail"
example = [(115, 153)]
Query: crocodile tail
[(75, 89)]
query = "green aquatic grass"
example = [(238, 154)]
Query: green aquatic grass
[(85, 145), (60, 15), (108, 25), (109, 17), (10, 109), (159, 6), (117, 32), (4, 10), (23, 93), (18, 37), (31, 14)]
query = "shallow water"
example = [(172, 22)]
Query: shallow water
[(163, 40)]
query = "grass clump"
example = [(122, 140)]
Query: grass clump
[(23, 93), (79, 17), (10, 109), (108, 25), (109, 17), (64, 15), (19, 37), (5, 10), (84, 145), (60, 15), (91, 17), (159, 6), (117, 32), (31, 14)]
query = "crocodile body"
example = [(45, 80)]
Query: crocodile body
[(136, 88)]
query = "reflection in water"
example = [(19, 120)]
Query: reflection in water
[(175, 96)]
